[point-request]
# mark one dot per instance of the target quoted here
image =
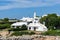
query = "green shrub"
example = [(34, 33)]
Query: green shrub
[(17, 33), (4, 26), (15, 29), (52, 32), (24, 27), (31, 33)]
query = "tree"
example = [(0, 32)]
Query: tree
[(50, 20), (6, 19), (58, 23), (43, 19)]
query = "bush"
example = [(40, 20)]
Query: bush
[(15, 29), (52, 33), (24, 27), (17, 33), (4, 26), (31, 33)]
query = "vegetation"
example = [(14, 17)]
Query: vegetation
[(5, 19), (52, 33), (52, 21), (17, 33), (24, 27), (4, 26), (4, 23)]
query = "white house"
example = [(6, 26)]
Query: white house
[(34, 26), (37, 27), (15, 25), (27, 19)]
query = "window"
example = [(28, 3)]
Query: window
[(35, 28), (35, 22)]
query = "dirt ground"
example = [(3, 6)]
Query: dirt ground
[(4, 33)]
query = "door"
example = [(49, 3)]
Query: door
[(34, 28)]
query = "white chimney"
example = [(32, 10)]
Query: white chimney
[(34, 14)]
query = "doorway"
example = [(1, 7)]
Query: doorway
[(34, 28)]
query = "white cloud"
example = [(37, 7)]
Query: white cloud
[(28, 3)]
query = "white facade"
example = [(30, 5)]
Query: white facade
[(37, 27), (34, 26), (18, 24)]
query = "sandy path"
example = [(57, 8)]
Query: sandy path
[(4, 33)]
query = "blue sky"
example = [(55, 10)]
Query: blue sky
[(25, 8)]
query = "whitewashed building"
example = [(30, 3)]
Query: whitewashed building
[(35, 25), (15, 25)]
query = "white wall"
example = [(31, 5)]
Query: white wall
[(38, 29), (41, 29)]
